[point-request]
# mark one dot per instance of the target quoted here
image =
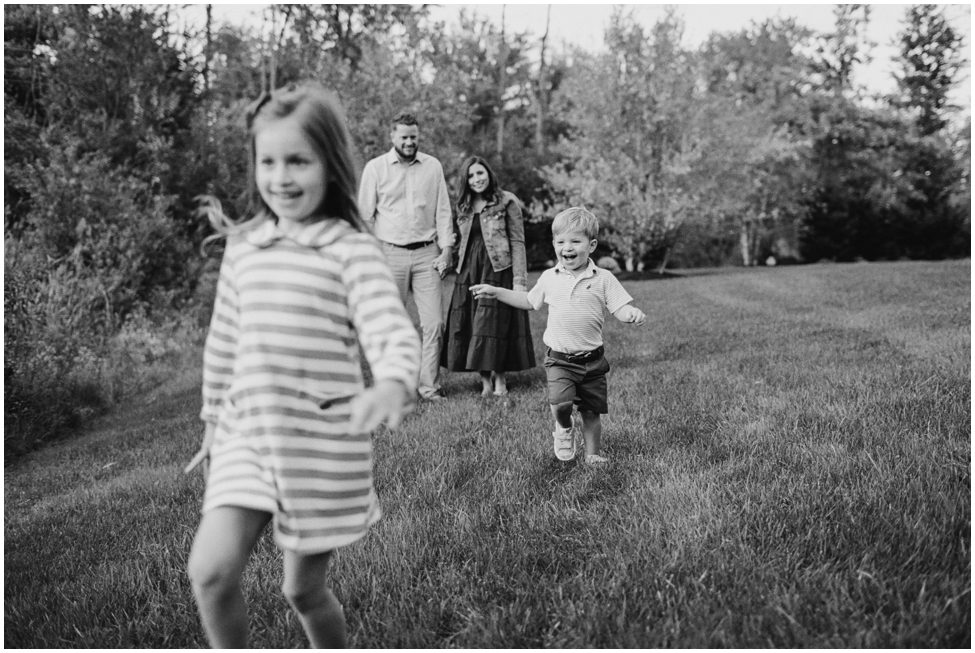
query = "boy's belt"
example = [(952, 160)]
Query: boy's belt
[(413, 245), (584, 357)]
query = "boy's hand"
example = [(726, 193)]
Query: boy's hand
[(631, 314), (484, 291), (388, 401)]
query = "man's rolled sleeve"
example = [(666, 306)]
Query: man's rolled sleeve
[(445, 227), (367, 195)]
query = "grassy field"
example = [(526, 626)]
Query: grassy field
[(790, 467)]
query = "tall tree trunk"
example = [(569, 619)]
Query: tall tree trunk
[(207, 48), (663, 261), (541, 94), (502, 83), (744, 240)]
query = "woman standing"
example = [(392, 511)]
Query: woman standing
[(485, 335)]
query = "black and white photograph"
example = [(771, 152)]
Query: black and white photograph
[(487, 326)]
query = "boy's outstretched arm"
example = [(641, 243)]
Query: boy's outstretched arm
[(516, 298), (631, 314)]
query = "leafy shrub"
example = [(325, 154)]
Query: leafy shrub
[(95, 248)]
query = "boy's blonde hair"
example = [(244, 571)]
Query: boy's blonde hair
[(576, 219)]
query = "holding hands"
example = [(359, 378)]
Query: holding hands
[(442, 263)]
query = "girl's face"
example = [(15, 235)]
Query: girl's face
[(573, 249), (477, 178), (290, 175)]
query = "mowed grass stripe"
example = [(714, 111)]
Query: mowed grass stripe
[(790, 468)]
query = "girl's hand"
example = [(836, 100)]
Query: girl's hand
[(202, 456), (484, 291), (388, 401)]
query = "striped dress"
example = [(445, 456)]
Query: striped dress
[(290, 314)]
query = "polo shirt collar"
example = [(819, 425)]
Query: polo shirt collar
[(590, 270)]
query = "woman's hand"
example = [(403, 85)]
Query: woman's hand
[(388, 401), (442, 263)]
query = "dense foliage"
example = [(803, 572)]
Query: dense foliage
[(117, 116)]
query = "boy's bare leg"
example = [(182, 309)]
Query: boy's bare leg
[(222, 545), (592, 430), (320, 612), (563, 414)]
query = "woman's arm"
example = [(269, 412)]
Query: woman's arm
[(516, 241)]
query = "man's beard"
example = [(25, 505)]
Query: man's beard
[(403, 155)]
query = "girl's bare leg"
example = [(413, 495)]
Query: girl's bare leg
[(223, 543), (320, 612)]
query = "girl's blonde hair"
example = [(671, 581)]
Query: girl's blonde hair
[(323, 122)]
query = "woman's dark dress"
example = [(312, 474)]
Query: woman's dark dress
[(485, 334)]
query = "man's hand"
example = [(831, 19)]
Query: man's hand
[(442, 263)]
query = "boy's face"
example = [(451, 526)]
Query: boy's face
[(572, 248)]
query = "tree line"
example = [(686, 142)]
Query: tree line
[(756, 144)]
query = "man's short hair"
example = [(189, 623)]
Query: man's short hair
[(404, 118), (576, 219)]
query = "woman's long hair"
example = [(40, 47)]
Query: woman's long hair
[(464, 193), (320, 114)]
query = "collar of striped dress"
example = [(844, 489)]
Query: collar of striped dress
[(315, 235)]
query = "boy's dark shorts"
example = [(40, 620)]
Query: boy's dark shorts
[(579, 380)]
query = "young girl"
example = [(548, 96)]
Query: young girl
[(301, 286)]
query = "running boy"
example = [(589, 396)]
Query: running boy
[(576, 292)]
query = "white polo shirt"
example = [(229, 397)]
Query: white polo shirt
[(577, 306)]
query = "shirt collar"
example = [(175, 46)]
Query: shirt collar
[(313, 235), (590, 270), (393, 157)]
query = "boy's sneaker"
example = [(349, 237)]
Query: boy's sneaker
[(564, 443), (596, 459)]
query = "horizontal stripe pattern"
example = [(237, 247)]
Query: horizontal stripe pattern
[(577, 306), (289, 318)]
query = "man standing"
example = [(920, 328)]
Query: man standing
[(403, 198)]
